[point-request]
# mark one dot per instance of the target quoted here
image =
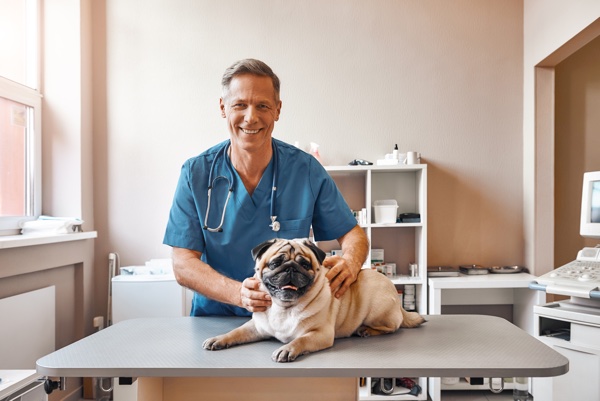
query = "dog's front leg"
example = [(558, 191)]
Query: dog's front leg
[(312, 341), (246, 333)]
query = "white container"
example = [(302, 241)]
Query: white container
[(385, 211)]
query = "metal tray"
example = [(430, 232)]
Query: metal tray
[(473, 269), (506, 269)]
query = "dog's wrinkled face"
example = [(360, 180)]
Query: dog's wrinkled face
[(287, 268)]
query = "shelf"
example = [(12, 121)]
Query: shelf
[(394, 225), (491, 280), (406, 280), (364, 169), (366, 395), (16, 241), (403, 243), (464, 385)]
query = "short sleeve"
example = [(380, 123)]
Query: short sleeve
[(184, 229)]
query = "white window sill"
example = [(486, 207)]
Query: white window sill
[(16, 241)]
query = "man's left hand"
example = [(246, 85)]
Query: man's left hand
[(340, 275)]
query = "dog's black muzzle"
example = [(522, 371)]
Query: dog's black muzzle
[(287, 281)]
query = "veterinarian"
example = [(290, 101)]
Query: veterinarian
[(249, 189)]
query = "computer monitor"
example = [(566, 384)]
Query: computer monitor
[(590, 205)]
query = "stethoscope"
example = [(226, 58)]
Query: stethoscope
[(275, 226)]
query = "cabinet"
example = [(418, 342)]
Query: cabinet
[(502, 294), (573, 329), (402, 243)]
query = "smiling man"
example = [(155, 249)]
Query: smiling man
[(247, 190)]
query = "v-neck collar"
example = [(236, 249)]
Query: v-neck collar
[(248, 205)]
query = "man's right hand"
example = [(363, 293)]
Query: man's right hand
[(252, 297)]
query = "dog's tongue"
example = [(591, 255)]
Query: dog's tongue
[(289, 287)]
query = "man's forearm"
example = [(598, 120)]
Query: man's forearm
[(355, 247), (193, 273)]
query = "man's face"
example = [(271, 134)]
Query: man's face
[(251, 109)]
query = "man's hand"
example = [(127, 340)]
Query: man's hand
[(343, 271), (252, 297), (340, 275)]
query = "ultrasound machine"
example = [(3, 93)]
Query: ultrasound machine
[(572, 326)]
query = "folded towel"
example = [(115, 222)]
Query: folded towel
[(46, 225)]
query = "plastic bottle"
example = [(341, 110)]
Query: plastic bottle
[(314, 150), (395, 152)]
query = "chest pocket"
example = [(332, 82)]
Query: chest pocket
[(297, 228)]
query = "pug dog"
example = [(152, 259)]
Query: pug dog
[(304, 314)]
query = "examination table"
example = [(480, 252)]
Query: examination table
[(167, 357)]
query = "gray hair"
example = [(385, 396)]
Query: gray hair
[(249, 66)]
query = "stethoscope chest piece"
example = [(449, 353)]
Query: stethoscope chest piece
[(275, 226)]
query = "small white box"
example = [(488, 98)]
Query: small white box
[(385, 211), (390, 269)]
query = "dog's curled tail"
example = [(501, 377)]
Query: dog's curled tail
[(411, 319)]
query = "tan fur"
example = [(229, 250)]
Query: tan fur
[(311, 323)]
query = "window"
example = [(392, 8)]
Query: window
[(20, 114)]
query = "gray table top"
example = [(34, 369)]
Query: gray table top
[(447, 345)]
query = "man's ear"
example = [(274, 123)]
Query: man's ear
[(259, 249), (222, 107), (319, 253)]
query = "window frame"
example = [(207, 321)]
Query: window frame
[(29, 95), (10, 225)]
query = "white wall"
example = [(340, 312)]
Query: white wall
[(443, 78)]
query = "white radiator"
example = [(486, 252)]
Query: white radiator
[(27, 331)]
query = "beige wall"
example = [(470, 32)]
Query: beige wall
[(553, 30), (443, 78), (577, 142)]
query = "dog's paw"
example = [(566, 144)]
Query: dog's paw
[(215, 343), (286, 354), (363, 331)]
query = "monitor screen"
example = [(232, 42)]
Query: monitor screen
[(590, 205), (595, 203)]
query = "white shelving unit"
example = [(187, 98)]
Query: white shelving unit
[(403, 243)]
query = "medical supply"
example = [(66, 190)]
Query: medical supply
[(390, 270), (359, 162), (409, 218), (409, 300), (397, 158), (361, 216), (412, 158), (314, 150), (377, 255), (385, 211), (275, 225), (413, 269), (48, 225)]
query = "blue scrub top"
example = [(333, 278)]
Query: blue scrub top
[(306, 195)]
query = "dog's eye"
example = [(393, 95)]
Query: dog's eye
[(305, 263), (275, 263)]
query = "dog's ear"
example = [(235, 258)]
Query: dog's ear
[(259, 249), (319, 253)]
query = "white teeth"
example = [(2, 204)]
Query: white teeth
[(250, 131)]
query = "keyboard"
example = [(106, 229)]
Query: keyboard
[(579, 278), (577, 271)]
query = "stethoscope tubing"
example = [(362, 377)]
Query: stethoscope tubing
[(275, 225)]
